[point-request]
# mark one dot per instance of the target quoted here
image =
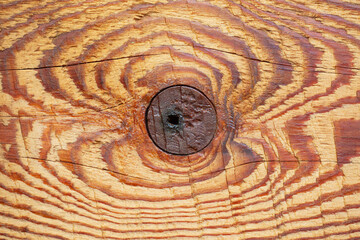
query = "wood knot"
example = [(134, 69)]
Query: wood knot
[(181, 120)]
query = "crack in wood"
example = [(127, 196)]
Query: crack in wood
[(217, 171)]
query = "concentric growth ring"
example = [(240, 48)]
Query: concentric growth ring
[(279, 160)]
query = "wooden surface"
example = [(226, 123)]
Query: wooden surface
[(76, 78), (181, 120)]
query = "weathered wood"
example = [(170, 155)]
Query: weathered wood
[(76, 161), (181, 120)]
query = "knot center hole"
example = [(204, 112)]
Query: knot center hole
[(173, 119)]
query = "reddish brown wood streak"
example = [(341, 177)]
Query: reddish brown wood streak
[(347, 140)]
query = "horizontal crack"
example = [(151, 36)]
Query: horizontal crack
[(209, 48), (250, 58), (275, 63), (80, 63), (67, 115), (210, 173)]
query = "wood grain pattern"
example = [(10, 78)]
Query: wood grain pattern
[(75, 158)]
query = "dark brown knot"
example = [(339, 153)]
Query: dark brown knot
[(181, 120)]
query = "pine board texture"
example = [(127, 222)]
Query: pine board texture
[(76, 161)]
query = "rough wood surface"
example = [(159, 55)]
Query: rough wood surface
[(181, 120), (76, 78)]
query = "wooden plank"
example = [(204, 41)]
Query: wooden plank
[(76, 161)]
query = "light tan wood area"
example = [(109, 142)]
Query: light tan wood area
[(76, 161)]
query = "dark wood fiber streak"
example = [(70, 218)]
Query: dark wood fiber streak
[(276, 156)]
